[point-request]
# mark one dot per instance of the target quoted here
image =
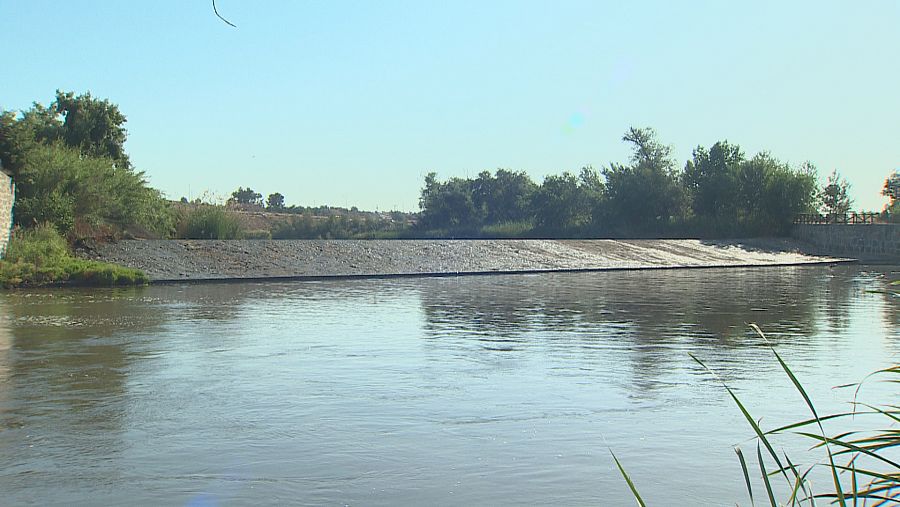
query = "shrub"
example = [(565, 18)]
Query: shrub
[(40, 246), (41, 256), (209, 222), (258, 234), (60, 185)]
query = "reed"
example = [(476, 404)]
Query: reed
[(861, 467)]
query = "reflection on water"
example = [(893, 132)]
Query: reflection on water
[(473, 390)]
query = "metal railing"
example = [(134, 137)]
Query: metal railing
[(837, 218)]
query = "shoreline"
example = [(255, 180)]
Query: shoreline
[(220, 261)]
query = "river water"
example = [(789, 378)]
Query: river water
[(498, 390)]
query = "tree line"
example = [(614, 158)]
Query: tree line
[(720, 191), (72, 171)]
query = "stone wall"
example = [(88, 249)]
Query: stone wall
[(872, 242), (7, 197)]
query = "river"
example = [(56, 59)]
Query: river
[(485, 390)]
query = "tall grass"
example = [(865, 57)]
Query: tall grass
[(209, 222), (41, 256), (861, 467)]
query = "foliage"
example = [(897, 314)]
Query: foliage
[(892, 191), (646, 194), (58, 184), (275, 202), (835, 195), (565, 203), (719, 193), (246, 196), (93, 127), (307, 226), (41, 256), (209, 222), (70, 166), (710, 179), (861, 458)]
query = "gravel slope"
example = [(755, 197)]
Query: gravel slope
[(171, 260)]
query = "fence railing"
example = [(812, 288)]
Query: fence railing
[(837, 218)]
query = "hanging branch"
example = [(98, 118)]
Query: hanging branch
[(229, 23)]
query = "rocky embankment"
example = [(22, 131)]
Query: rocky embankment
[(195, 260)]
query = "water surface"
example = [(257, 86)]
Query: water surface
[(498, 390)]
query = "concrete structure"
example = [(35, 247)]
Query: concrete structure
[(872, 242), (7, 198)]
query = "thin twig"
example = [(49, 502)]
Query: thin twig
[(229, 23)]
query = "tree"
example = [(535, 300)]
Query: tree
[(835, 196), (275, 202), (246, 196), (646, 194), (503, 197), (711, 180), (892, 191), (771, 194), (560, 205), (94, 126), (449, 205)]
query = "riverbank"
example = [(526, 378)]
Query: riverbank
[(210, 260)]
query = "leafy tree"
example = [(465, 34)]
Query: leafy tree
[(646, 194), (275, 202), (450, 204), (711, 180), (892, 191), (503, 197), (94, 126), (246, 196), (563, 204), (771, 194), (835, 195)]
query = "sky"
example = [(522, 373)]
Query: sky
[(352, 103)]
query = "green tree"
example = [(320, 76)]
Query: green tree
[(559, 205), (246, 196), (94, 126), (835, 195), (645, 195), (892, 191), (711, 180), (771, 194), (449, 205), (503, 197), (275, 202)]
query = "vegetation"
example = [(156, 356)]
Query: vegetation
[(835, 195), (367, 226), (41, 256), (859, 463), (70, 168), (720, 192), (892, 191), (209, 222)]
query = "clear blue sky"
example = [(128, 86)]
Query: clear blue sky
[(352, 103)]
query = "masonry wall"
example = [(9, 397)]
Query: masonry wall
[(868, 242), (7, 197)]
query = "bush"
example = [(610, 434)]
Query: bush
[(40, 246), (60, 185), (41, 256), (258, 234), (209, 222)]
